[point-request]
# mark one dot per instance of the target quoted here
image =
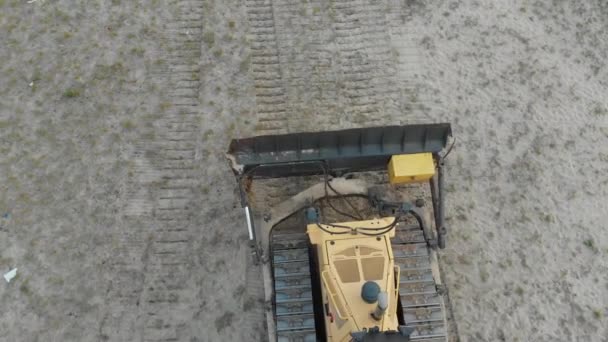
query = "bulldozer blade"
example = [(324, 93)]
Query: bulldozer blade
[(334, 152)]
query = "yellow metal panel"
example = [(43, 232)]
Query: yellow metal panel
[(346, 262), (411, 168)]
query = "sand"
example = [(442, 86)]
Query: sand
[(120, 212)]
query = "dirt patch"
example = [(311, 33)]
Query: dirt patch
[(223, 321)]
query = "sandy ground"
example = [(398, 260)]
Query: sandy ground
[(118, 209)]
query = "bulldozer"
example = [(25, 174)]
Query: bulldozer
[(351, 255)]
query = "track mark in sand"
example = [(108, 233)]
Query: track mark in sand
[(414, 96), (158, 252), (273, 112), (327, 65), (166, 296), (266, 69), (307, 51), (366, 66)]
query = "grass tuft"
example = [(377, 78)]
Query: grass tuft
[(598, 314), (71, 93), (127, 125), (209, 38), (244, 65), (25, 288), (589, 243)]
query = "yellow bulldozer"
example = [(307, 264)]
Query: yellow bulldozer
[(352, 255)]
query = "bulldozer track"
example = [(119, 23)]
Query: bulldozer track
[(422, 306), (293, 294)]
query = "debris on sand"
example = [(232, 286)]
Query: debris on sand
[(8, 276)]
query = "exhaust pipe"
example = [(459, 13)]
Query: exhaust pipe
[(381, 307)]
